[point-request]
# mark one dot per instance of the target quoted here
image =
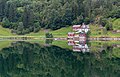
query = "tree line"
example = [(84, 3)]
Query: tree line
[(25, 16)]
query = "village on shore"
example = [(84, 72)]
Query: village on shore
[(78, 38)]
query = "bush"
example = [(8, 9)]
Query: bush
[(108, 26), (49, 41), (37, 27), (6, 23), (104, 31), (114, 14), (49, 35), (86, 20), (103, 22)]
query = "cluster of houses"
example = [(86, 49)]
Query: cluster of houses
[(78, 38)]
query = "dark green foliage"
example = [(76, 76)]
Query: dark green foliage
[(55, 14), (37, 27), (2, 9), (28, 17), (103, 21), (49, 41), (6, 22), (104, 31), (49, 35), (24, 59), (115, 14), (108, 26)]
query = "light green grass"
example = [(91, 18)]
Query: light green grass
[(62, 44), (96, 45), (5, 32), (116, 52), (4, 44), (41, 33), (40, 42), (61, 32), (94, 29), (116, 24)]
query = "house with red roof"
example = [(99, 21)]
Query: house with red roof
[(81, 28), (78, 37)]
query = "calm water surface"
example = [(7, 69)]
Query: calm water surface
[(25, 59)]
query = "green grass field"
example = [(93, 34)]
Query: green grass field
[(61, 32), (4, 44), (56, 33), (116, 24), (95, 31), (41, 33), (62, 44), (96, 45), (5, 32)]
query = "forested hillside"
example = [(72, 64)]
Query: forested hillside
[(25, 16)]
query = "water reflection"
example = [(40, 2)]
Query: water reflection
[(79, 46), (23, 59), (78, 38)]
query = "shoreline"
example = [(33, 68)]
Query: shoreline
[(23, 38), (56, 38)]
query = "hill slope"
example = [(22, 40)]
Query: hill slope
[(94, 29), (5, 32)]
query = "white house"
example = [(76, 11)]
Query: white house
[(71, 42), (81, 28), (76, 27), (71, 34), (81, 48), (84, 28)]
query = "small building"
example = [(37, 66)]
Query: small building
[(79, 37), (76, 38), (81, 28), (71, 34), (71, 42), (76, 48), (85, 28), (76, 27), (81, 48), (82, 37)]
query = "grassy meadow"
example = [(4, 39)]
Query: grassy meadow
[(5, 32), (95, 31), (4, 44)]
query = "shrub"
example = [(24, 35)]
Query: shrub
[(49, 35)]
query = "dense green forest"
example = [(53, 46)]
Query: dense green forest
[(23, 59), (25, 16)]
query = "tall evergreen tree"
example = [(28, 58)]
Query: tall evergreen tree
[(28, 17)]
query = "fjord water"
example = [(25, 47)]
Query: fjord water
[(24, 59)]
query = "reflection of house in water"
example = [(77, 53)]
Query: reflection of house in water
[(78, 38), (80, 47)]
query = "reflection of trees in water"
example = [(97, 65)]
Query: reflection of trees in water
[(32, 60), (48, 41)]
